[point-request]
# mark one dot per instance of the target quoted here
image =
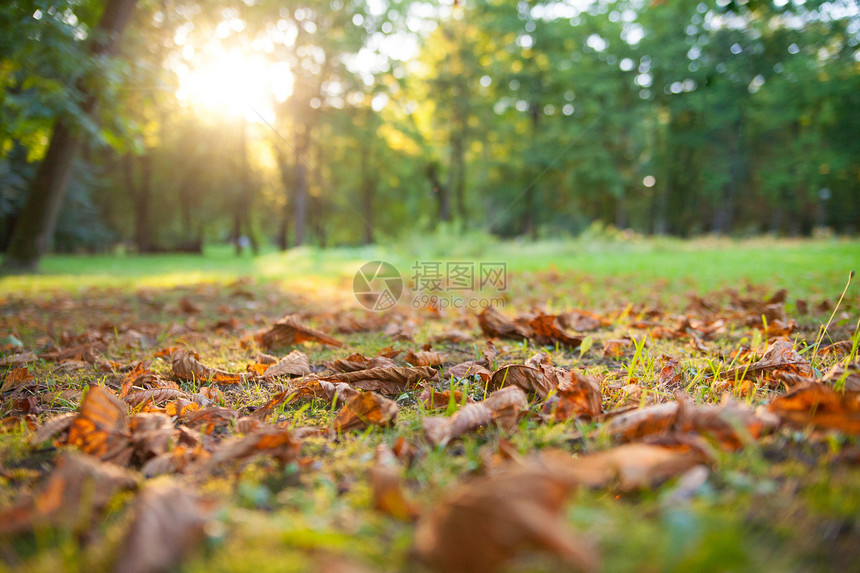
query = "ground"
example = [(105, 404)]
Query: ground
[(766, 479)]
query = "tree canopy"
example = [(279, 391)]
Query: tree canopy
[(344, 122)]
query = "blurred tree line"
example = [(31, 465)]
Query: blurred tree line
[(529, 118)]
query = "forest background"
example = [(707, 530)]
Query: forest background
[(344, 122)]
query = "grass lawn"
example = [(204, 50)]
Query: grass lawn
[(768, 490)]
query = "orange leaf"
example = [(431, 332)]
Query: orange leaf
[(101, 426), (367, 408)]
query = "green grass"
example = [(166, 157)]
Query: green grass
[(807, 268), (782, 503)]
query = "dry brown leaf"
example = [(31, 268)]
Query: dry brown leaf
[(642, 421), (276, 442), (630, 466), (819, 405), (580, 320), (101, 426), (155, 396), (494, 324), (731, 423), (367, 408), (210, 418), (616, 348), (18, 360), (295, 363), (289, 331), (186, 366), (546, 330), (577, 396), (486, 522), (72, 496), (440, 430), (848, 375), (355, 362), (168, 524), (52, 427), (386, 482), (506, 406), (151, 434), (392, 380), (178, 460), (424, 358), (431, 399), (781, 356), (17, 378), (471, 368), (452, 336), (532, 380), (307, 390), (139, 376)]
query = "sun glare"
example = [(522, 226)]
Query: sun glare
[(235, 84)]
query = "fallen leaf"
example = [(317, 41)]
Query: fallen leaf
[(386, 483), (186, 366), (546, 330), (367, 408), (101, 427), (631, 466), (295, 363), (781, 356), (845, 376), (275, 442), (642, 421), (151, 434), (440, 431), (52, 427), (431, 399), (168, 523), (486, 522), (577, 396), (72, 496), (392, 380), (821, 406), (288, 332), (424, 358), (355, 362), (18, 360), (17, 378), (531, 380), (494, 324), (506, 406), (468, 369)]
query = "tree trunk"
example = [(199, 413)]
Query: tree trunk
[(441, 192), (301, 187), (34, 231), (368, 189)]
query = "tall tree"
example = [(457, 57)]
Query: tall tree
[(37, 221)]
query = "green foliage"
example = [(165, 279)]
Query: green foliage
[(531, 119)]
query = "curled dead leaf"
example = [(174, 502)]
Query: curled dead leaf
[(494, 324), (72, 496), (365, 409), (392, 380), (168, 523), (424, 358), (101, 427), (532, 380), (547, 330), (386, 482), (486, 522), (819, 405), (289, 331), (295, 363)]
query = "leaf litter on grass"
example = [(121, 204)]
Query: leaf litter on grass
[(472, 447)]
